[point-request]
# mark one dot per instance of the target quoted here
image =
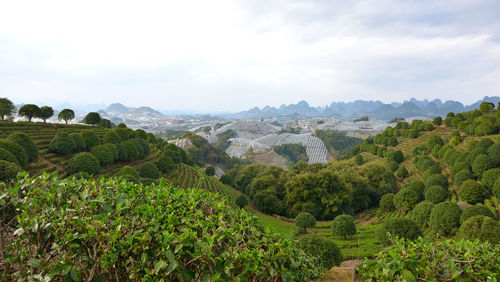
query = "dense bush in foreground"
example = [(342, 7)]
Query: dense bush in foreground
[(439, 260), (110, 229)]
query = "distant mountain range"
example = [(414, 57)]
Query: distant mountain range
[(117, 113), (372, 109)]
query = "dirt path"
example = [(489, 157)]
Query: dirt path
[(343, 272)]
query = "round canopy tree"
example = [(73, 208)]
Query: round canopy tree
[(92, 118), (325, 250), (343, 225), (445, 218), (25, 141), (66, 115), (7, 108), (471, 192), (29, 111), (305, 220), (480, 227), (45, 113)]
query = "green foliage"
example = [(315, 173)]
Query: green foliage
[(149, 170), (83, 162), (436, 194), (165, 164), (267, 202), (29, 111), (45, 113), (92, 118), (437, 179), (79, 141), (471, 192), (8, 156), (434, 140), (7, 108), (494, 154), (114, 150), (461, 176), (445, 218), (305, 220), (338, 141), (325, 250), (141, 134), (111, 137), (358, 159), (226, 179), (421, 213), (490, 177), (343, 225), (131, 149), (293, 152), (128, 171), (363, 118), (392, 165), (27, 143), (480, 227), (210, 171), (481, 164), (401, 227), (17, 151), (241, 201), (66, 115), (476, 210), (402, 172), (147, 233), (90, 138), (62, 143), (8, 170), (122, 152), (413, 133), (124, 133), (406, 199), (103, 155), (457, 260), (455, 140), (386, 203), (396, 156), (437, 121), (496, 189)]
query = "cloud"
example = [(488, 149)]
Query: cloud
[(233, 55)]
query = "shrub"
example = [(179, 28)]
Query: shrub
[(445, 218), (267, 202), (144, 146), (241, 201), (481, 164), (455, 140), (496, 189), (402, 172), (128, 170), (413, 133), (437, 121), (461, 176), (149, 170), (138, 146), (494, 154), (434, 140), (111, 137), (226, 179), (397, 156), (490, 177), (62, 144), (392, 165), (476, 210), (437, 179), (386, 203), (210, 171), (78, 139), (421, 213), (458, 166), (406, 199), (83, 162), (122, 152), (305, 220), (124, 133), (480, 227), (325, 250), (23, 140), (343, 225), (418, 261), (90, 138), (129, 216), (7, 156), (8, 171), (17, 151), (471, 192), (141, 134), (113, 149), (131, 149), (103, 155), (147, 181), (358, 159), (165, 163), (398, 226), (417, 186), (436, 194)]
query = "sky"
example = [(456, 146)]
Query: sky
[(212, 56)]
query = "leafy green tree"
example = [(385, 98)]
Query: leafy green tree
[(111, 137), (226, 179), (113, 149), (165, 164), (402, 172), (476, 210), (8, 171), (437, 179), (325, 250), (62, 143), (16, 150), (386, 202), (210, 171), (421, 213), (480, 227), (445, 218), (90, 137), (461, 176), (358, 159), (305, 220), (105, 123), (122, 152), (92, 118), (436, 194), (398, 226), (490, 177), (66, 115), (241, 201), (406, 199), (83, 162), (485, 107), (131, 149), (29, 111), (25, 141), (103, 155), (434, 140), (494, 154), (139, 133), (149, 170), (343, 225), (471, 192), (481, 164), (45, 113), (267, 202), (7, 108), (438, 121), (78, 139)]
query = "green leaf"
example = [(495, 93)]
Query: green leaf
[(75, 274), (408, 276), (159, 265), (19, 231)]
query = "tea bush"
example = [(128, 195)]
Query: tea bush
[(78, 139), (23, 140), (149, 170), (17, 151), (83, 162), (343, 225), (8, 156), (471, 192), (480, 227), (325, 250), (111, 137), (421, 213), (400, 227), (110, 229), (436, 194), (62, 143), (445, 218), (165, 163), (476, 210), (461, 260), (305, 220), (128, 171), (8, 171), (102, 154), (241, 201), (386, 202), (90, 138)]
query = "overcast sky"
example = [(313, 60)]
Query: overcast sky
[(233, 55)]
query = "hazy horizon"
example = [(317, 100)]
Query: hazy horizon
[(230, 56)]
